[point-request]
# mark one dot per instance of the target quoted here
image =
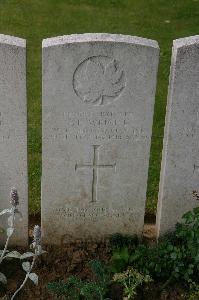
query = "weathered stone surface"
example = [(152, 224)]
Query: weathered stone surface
[(13, 132), (180, 162), (98, 98)]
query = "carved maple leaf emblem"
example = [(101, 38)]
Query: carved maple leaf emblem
[(99, 81)]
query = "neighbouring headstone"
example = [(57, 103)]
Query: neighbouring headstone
[(13, 133), (98, 99), (180, 162)]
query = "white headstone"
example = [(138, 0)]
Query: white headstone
[(98, 98), (13, 133), (180, 162)]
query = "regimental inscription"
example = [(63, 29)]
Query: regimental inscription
[(99, 80), (95, 165), (98, 127)]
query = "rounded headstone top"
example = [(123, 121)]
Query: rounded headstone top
[(12, 40), (187, 41), (98, 37)]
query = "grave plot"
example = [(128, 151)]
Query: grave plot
[(13, 133), (180, 171), (98, 99)]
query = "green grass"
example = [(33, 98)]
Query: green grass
[(162, 20)]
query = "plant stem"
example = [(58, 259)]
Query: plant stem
[(4, 250), (26, 278), (166, 283), (8, 238)]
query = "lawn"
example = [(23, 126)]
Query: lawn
[(162, 20)]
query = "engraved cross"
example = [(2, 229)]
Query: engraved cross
[(95, 166)]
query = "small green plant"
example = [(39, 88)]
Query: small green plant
[(101, 271), (121, 259), (174, 258), (71, 289), (122, 246), (35, 246), (131, 279), (194, 291), (75, 288)]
